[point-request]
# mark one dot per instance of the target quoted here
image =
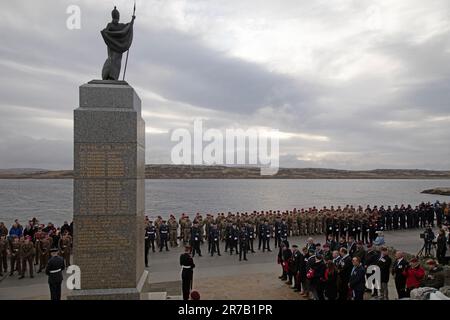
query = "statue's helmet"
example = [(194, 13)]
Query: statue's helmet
[(115, 14)]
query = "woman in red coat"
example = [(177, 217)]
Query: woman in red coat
[(414, 274)]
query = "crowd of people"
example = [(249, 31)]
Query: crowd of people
[(337, 270), (239, 231), (29, 248), (353, 241)]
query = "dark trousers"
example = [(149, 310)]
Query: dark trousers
[(242, 251), (55, 291), (146, 248), (266, 244), (215, 247), (163, 243), (233, 245), (358, 294), (400, 285), (186, 282), (196, 248), (260, 242), (250, 245)]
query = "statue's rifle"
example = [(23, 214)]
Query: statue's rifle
[(128, 52)]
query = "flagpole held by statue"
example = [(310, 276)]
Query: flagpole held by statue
[(118, 38)]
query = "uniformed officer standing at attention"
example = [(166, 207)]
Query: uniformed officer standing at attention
[(195, 240), (163, 236), (54, 269), (243, 242), (187, 272)]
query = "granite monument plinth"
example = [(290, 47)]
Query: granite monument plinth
[(109, 183)]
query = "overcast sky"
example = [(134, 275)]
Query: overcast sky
[(350, 84)]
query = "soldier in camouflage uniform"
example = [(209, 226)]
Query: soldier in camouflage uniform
[(187, 230), (26, 254), (173, 230)]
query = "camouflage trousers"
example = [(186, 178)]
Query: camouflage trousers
[(173, 238)]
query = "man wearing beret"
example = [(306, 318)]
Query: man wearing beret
[(54, 269)]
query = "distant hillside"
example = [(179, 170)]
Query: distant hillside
[(222, 172)]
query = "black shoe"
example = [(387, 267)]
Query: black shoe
[(31, 277), (200, 255), (269, 250), (146, 265), (21, 277), (280, 277), (245, 259), (39, 271), (253, 251), (219, 255)]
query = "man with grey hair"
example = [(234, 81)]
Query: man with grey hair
[(399, 266)]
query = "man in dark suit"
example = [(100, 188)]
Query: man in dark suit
[(54, 269), (384, 262), (399, 266), (357, 281), (344, 271)]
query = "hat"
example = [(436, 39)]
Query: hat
[(414, 260), (54, 249), (115, 13), (360, 243), (27, 238), (294, 246), (326, 245), (195, 295), (431, 262)]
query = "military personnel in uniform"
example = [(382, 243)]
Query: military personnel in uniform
[(233, 238), (251, 236), (65, 245), (187, 231), (266, 236), (195, 240), (54, 270), (15, 256), (163, 236), (214, 239), (43, 251), (187, 272), (173, 229), (26, 254), (3, 255), (243, 241)]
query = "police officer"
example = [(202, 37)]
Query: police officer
[(243, 241), (163, 236), (54, 269)]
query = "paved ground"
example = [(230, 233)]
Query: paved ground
[(215, 277)]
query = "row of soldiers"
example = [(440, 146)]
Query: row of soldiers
[(359, 223), (26, 252)]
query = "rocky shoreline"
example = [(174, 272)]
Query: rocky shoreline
[(164, 171), (438, 191)]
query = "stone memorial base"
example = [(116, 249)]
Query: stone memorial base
[(109, 190)]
